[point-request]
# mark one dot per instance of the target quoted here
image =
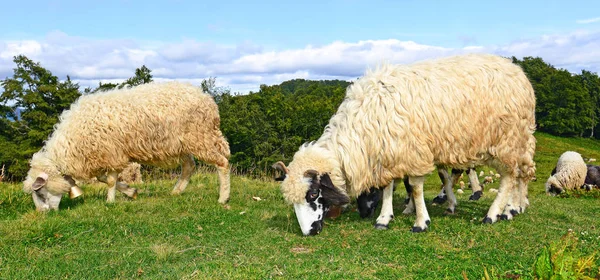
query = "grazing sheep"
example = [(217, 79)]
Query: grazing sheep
[(592, 178), (162, 124), (569, 173), (401, 121)]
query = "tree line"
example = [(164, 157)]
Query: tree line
[(268, 125)]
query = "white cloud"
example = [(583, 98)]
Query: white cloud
[(245, 66), (589, 20)]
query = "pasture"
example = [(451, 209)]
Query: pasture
[(191, 236)]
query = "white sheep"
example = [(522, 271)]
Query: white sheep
[(405, 120), (162, 124), (570, 173)]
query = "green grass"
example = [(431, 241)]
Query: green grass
[(191, 236)]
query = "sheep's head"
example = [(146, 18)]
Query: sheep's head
[(46, 184), (553, 186), (308, 185)]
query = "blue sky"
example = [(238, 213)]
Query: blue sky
[(246, 43)]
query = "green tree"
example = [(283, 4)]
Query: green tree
[(41, 97)]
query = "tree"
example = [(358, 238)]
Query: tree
[(40, 97)]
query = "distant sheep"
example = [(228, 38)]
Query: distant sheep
[(162, 124), (569, 173), (403, 120), (592, 178)]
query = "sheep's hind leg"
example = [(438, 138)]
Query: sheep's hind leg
[(387, 211), (448, 187), (423, 219), (187, 168)]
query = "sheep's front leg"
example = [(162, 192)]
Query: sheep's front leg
[(502, 198), (387, 211), (410, 202), (111, 181), (423, 219), (441, 197), (125, 189)]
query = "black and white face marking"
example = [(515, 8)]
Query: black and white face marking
[(311, 214), (320, 196)]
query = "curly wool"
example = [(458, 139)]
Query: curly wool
[(398, 120), (571, 172), (153, 124)]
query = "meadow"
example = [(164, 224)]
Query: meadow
[(256, 236)]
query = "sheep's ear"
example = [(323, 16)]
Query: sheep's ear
[(331, 194), (281, 167), (312, 174), (38, 184)]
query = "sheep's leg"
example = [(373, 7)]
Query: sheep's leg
[(187, 168), (387, 211), (410, 202), (442, 197), (111, 181), (125, 189), (504, 192), (122, 187), (423, 219), (448, 188), (475, 186), (224, 184)]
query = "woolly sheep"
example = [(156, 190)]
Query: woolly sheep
[(569, 173), (401, 121), (592, 178), (163, 124)]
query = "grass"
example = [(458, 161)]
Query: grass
[(191, 236)]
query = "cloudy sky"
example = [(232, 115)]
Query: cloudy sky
[(247, 43)]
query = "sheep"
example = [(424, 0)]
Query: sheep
[(569, 173), (398, 121), (160, 124), (592, 178)]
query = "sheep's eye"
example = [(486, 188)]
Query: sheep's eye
[(313, 194)]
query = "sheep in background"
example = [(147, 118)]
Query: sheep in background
[(569, 173), (592, 178), (401, 121), (162, 124)]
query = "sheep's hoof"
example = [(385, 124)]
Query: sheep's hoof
[(476, 195), (439, 200), (488, 220), (417, 229), (503, 217), (514, 212), (381, 226), (449, 211), (223, 201)]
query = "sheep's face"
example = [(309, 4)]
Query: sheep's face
[(321, 194), (43, 189), (553, 189)]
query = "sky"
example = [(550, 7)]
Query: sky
[(244, 44)]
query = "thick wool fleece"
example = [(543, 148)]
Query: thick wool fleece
[(398, 120), (156, 124), (571, 171)]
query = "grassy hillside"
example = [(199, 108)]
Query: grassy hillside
[(193, 237)]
